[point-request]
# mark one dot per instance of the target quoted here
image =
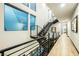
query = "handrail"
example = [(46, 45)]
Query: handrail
[(39, 26), (21, 49), (36, 28), (18, 45), (31, 51), (28, 50)]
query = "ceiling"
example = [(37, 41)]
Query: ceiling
[(62, 12)]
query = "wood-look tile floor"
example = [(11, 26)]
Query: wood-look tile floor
[(63, 47)]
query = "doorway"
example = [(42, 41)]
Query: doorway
[(64, 28)]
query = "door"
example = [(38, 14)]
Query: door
[(64, 28)]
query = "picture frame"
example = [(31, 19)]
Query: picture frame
[(74, 24), (16, 19), (53, 29)]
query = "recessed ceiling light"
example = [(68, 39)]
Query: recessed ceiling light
[(62, 5), (43, 4)]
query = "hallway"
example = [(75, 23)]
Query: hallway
[(63, 47), (36, 29)]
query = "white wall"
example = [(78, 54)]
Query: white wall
[(42, 14), (72, 35), (58, 27), (11, 38)]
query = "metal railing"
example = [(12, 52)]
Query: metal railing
[(46, 41), (3, 51), (37, 29)]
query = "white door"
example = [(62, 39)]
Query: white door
[(64, 28)]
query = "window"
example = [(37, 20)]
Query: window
[(33, 6), (26, 4), (32, 22), (15, 19)]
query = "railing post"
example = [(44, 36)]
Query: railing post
[(2, 54), (53, 35), (37, 30), (56, 35), (40, 50), (48, 41)]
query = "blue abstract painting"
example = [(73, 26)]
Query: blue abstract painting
[(32, 22), (15, 19)]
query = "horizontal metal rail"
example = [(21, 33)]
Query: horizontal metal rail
[(18, 45), (28, 50), (21, 49)]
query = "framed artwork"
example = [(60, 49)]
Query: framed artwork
[(15, 19), (74, 24), (53, 29), (32, 22)]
